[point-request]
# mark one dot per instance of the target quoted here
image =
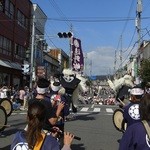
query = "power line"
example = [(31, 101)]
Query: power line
[(58, 10), (87, 20), (134, 46), (131, 6), (130, 42)]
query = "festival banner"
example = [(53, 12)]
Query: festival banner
[(77, 59)]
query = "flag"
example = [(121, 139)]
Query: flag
[(77, 59)]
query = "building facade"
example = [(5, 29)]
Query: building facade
[(14, 39), (61, 56)]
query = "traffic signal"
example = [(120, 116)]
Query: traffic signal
[(26, 68), (65, 35)]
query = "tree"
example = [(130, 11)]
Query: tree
[(144, 70)]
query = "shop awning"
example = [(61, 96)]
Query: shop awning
[(16, 66), (3, 63), (10, 64)]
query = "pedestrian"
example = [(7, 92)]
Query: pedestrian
[(131, 111), (136, 137), (34, 138), (21, 95), (52, 115), (3, 92), (26, 98)]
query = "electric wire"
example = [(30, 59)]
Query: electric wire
[(130, 42), (61, 14), (89, 20), (134, 46), (129, 13), (120, 39), (58, 10)]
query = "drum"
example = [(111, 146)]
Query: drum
[(3, 118), (7, 104), (118, 120)]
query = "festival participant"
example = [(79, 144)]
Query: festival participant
[(52, 116), (70, 83), (131, 111), (34, 137), (56, 97), (136, 137)]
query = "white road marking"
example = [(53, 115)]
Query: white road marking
[(84, 109), (109, 110), (92, 106), (96, 110), (83, 113)]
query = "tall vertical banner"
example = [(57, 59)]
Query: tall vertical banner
[(77, 59)]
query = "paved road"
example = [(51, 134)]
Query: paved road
[(93, 124)]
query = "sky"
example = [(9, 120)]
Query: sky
[(105, 27)]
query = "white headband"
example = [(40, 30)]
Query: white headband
[(41, 90), (55, 88), (136, 91)]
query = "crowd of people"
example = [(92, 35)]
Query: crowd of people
[(47, 109), (19, 96)]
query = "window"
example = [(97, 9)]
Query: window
[(5, 46), (9, 9), (2, 4), (20, 51), (22, 20)]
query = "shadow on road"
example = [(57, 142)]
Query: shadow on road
[(77, 147), (86, 117), (10, 132), (5, 148)]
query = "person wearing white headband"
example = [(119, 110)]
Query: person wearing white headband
[(42, 86), (42, 96), (131, 113), (137, 137), (55, 86), (57, 97)]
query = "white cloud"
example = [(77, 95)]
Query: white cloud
[(100, 61)]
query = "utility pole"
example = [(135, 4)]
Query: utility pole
[(121, 52), (138, 21), (32, 51), (85, 66), (91, 65), (115, 61), (138, 26), (70, 60)]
